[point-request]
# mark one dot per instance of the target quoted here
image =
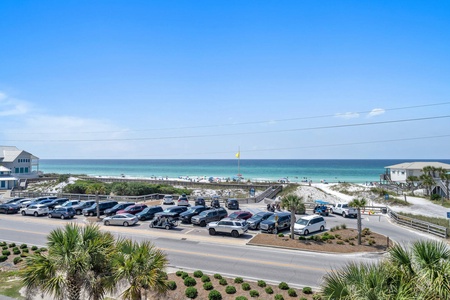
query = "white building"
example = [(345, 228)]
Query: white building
[(400, 172), (16, 164)]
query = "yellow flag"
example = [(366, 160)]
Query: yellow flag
[(238, 154)]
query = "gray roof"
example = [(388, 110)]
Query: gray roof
[(10, 153), (419, 165)]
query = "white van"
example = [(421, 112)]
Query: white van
[(167, 200), (308, 224)]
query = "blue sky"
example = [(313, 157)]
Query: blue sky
[(198, 79)]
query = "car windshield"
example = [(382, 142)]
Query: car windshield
[(302, 222), (257, 217), (117, 206), (146, 210), (128, 208), (271, 218), (203, 213), (191, 210), (129, 215), (234, 215)]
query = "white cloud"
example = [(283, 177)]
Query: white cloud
[(347, 115), (376, 112), (11, 107)]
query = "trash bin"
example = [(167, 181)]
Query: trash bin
[(384, 210)]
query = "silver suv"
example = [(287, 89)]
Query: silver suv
[(228, 226), (35, 209)]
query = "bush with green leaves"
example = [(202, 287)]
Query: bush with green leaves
[(2, 244), (215, 295), (246, 286), (205, 278), (230, 289), (307, 290), (280, 235), (5, 248), (171, 285), (6, 252), (23, 254), (43, 249), (3, 258), (184, 275), (223, 281), (261, 283), (238, 280), (17, 260), (254, 293), (191, 292), (292, 293), (12, 245), (189, 281), (269, 290), (198, 274), (283, 285), (16, 252), (34, 248), (208, 286), (217, 276), (241, 298), (303, 298), (279, 297), (179, 273), (317, 297)]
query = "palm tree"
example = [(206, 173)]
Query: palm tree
[(444, 175), (77, 263), (142, 266), (96, 188), (358, 204), (411, 180), (427, 182), (421, 272), (293, 203)]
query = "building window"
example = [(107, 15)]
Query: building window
[(21, 170), (16, 170), (26, 169), (2, 184)]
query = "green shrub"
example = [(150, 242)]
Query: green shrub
[(217, 276), (223, 281), (34, 248), (3, 258), (17, 260), (16, 252), (254, 293), (343, 226), (215, 295), (208, 286), (246, 286), (283, 285), (5, 247), (307, 290), (292, 293), (198, 274), (189, 281), (25, 250), (171, 285), (6, 252), (317, 297), (37, 251), (303, 298), (241, 298), (184, 275), (15, 248), (12, 245), (261, 283), (43, 249), (230, 290), (205, 278), (179, 273), (238, 280), (279, 297), (191, 292), (280, 235), (24, 254), (435, 197), (2, 244), (23, 246), (269, 290), (302, 238)]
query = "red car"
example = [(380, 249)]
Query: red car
[(241, 214), (132, 209)]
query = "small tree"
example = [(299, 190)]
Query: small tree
[(96, 188), (292, 203), (412, 180), (358, 204), (428, 183)]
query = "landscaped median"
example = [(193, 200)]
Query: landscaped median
[(339, 239)]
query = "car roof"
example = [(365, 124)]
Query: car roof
[(310, 217), (282, 213)]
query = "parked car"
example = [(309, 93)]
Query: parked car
[(233, 227), (344, 209), (133, 209), (308, 224), (104, 205), (148, 213), (215, 202), (232, 204), (210, 215), (241, 214), (255, 221), (276, 222), (120, 219), (70, 203), (13, 200), (167, 200), (183, 200), (62, 212), (9, 208), (21, 201), (82, 205), (177, 210), (34, 202), (56, 202), (200, 201), (192, 211), (119, 206), (35, 209)]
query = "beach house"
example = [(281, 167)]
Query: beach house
[(15, 166), (399, 174)]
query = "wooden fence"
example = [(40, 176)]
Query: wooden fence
[(420, 225)]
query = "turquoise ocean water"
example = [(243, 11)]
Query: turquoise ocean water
[(331, 170)]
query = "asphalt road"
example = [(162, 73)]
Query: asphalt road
[(191, 247)]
